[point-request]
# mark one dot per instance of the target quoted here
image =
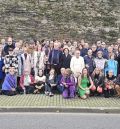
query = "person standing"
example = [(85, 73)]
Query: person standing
[(77, 63), (55, 57)]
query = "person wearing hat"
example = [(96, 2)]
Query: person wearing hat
[(66, 58)]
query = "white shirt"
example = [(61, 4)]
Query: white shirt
[(77, 64)]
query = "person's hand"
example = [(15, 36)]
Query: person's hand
[(13, 89), (3, 68), (66, 85), (87, 65), (53, 85)]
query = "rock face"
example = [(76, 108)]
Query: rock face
[(69, 19)]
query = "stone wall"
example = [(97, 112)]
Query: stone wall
[(69, 19)]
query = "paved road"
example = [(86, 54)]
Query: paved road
[(58, 121)]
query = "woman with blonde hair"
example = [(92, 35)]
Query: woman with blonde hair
[(98, 80)]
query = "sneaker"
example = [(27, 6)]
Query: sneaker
[(46, 93), (51, 94)]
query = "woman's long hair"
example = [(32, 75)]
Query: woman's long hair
[(82, 75), (94, 72)]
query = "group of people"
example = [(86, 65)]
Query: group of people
[(68, 68)]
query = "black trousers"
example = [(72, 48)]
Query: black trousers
[(1, 81), (9, 93), (28, 89), (109, 93)]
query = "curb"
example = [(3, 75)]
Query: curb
[(61, 109)]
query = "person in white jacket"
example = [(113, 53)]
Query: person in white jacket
[(77, 63)]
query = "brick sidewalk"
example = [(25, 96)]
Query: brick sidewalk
[(37, 101)]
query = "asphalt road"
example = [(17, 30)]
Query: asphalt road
[(59, 121)]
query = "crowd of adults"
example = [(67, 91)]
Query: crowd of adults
[(69, 68)]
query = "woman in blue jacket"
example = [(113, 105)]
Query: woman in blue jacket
[(111, 65)]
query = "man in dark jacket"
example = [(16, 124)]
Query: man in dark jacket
[(89, 62), (55, 58), (10, 44)]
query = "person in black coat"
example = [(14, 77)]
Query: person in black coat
[(66, 58), (55, 58), (10, 45)]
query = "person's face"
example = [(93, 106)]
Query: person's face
[(85, 72), (75, 44), (82, 42), (17, 44), (77, 54), (56, 45), (69, 44), (112, 57), (2, 41), (47, 43), (12, 71), (52, 71), (62, 71), (51, 44), (66, 51), (89, 52), (80, 46), (32, 45), (40, 72), (97, 71), (103, 45), (110, 49), (86, 45), (118, 41), (9, 41), (25, 50), (110, 73), (116, 47), (99, 43), (94, 48), (99, 54), (10, 52)]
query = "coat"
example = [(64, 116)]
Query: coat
[(66, 61)]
